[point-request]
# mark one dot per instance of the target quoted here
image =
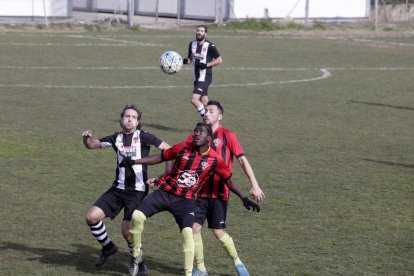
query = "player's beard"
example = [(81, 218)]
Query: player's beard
[(200, 37), (129, 127)]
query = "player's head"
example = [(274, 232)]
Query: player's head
[(130, 118), (214, 113), (201, 32), (202, 134)]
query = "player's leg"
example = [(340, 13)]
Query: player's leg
[(204, 100), (217, 224), (183, 211), (201, 208), (94, 219), (199, 92), (155, 202), (131, 203)]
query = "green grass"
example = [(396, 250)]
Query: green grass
[(334, 156)]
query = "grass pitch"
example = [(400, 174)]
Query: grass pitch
[(325, 120)]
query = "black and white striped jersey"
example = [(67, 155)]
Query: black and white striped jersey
[(202, 54), (135, 145)]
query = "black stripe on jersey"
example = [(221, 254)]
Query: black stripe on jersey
[(221, 184), (129, 172)]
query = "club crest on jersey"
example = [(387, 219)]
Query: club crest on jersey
[(204, 165), (187, 179), (216, 142)]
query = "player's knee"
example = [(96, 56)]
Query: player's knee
[(197, 228), (138, 217), (187, 234), (91, 219), (218, 233)]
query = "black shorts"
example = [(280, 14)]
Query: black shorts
[(215, 210), (181, 208), (114, 199), (201, 87)]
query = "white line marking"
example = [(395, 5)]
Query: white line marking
[(325, 73)]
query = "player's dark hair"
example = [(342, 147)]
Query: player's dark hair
[(206, 127), (202, 26), (216, 103), (133, 107)]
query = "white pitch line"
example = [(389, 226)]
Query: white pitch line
[(325, 74), (129, 44), (190, 68)]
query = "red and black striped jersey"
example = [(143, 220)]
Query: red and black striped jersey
[(190, 170), (227, 145)]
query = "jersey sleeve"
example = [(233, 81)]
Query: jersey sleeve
[(213, 51), (108, 141), (234, 144), (150, 139), (189, 138), (172, 153)]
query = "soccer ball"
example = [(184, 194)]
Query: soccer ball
[(171, 62)]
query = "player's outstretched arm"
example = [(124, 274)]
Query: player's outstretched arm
[(255, 190), (235, 188), (149, 160)]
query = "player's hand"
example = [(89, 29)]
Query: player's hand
[(87, 134), (152, 182), (250, 204), (127, 162), (185, 61), (203, 66), (257, 194)]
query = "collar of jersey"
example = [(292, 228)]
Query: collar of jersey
[(205, 153)]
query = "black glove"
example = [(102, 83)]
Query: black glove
[(203, 66), (250, 204), (127, 162), (185, 61)]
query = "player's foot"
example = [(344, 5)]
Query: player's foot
[(105, 254), (134, 265), (241, 270), (143, 268), (197, 272)]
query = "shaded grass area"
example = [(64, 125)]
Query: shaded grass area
[(334, 157)]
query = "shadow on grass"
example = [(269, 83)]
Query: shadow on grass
[(167, 128), (384, 105), (389, 163), (161, 127), (84, 257)]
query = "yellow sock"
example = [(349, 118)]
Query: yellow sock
[(199, 251), (188, 249), (137, 226), (228, 244)]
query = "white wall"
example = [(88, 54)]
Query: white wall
[(54, 8), (296, 8)]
